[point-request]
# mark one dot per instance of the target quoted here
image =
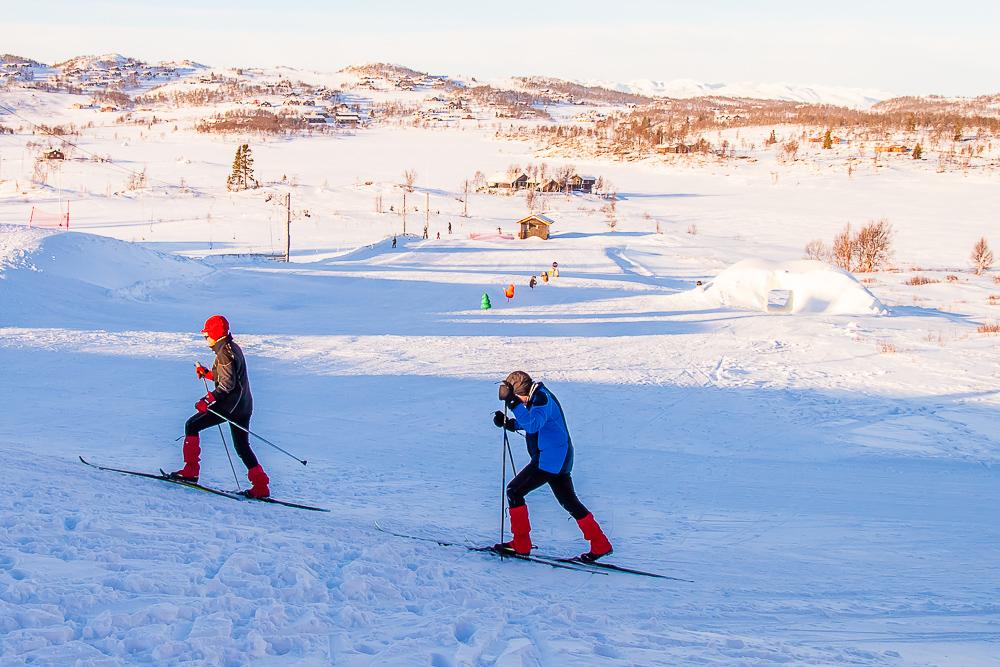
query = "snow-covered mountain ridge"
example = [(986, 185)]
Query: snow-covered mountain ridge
[(858, 98)]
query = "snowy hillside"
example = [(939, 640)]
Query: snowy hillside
[(810, 454)]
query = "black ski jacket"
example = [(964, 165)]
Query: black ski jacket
[(232, 385)]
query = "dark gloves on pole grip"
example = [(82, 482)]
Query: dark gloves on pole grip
[(500, 422)]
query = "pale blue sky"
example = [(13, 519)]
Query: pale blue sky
[(899, 47)]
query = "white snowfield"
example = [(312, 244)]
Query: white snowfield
[(826, 481), (859, 98), (804, 286)]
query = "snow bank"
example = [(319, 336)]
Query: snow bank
[(95, 260), (805, 286)]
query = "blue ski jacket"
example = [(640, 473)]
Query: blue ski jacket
[(546, 433)]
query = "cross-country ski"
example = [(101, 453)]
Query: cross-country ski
[(576, 562), (235, 495)]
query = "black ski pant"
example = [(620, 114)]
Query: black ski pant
[(241, 440), (533, 477)]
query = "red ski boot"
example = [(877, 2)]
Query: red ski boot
[(521, 528), (192, 454), (599, 544), (259, 479)]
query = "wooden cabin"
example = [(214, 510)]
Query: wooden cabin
[(579, 183), (511, 181), (673, 149), (535, 224), (347, 119)]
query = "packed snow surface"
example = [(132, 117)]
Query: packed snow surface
[(809, 287), (831, 503)]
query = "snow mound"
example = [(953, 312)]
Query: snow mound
[(95, 260), (805, 286)]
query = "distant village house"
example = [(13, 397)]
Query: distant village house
[(509, 181)]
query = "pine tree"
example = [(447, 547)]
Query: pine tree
[(233, 182), (248, 178), (241, 177), (918, 152), (827, 140)]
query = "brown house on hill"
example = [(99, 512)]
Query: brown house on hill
[(680, 149), (509, 181), (582, 183), (535, 224)]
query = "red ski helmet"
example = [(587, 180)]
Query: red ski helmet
[(216, 327)]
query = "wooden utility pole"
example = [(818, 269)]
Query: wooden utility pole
[(404, 212), (465, 200), (427, 210), (288, 225)]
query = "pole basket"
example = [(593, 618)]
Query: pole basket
[(39, 218)]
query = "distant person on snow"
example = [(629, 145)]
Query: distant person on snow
[(393, 241), (231, 398), (539, 414), (532, 282), (449, 228)]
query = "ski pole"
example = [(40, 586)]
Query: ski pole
[(225, 445), (510, 456), (259, 437), (503, 476)]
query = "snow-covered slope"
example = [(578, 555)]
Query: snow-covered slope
[(827, 503), (825, 481), (90, 259), (48, 278)]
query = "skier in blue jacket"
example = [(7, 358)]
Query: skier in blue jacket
[(537, 412)]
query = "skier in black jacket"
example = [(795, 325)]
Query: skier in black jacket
[(232, 399)]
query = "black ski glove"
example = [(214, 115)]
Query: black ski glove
[(500, 422)]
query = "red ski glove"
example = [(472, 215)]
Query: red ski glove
[(203, 373), (202, 405)]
